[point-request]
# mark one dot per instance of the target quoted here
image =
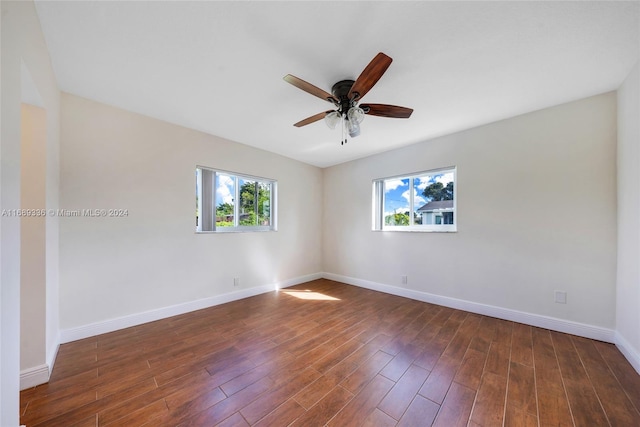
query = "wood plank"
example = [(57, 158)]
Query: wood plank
[(147, 413), (522, 345), (401, 395), (498, 359), (552, 399), (235, 420), (437, 384), (485, 335), (325, 409), (244, 380), (191, 401), (456, 408), (619, 409), (517, 417), (431, 353), (227, 407), (44, 409), (284, 415), (458, 345), (278, 395), (488, 410), (522, 389), (366, 372), (363, 404), (379, 419), (583, 401), (470, 372), (400, 363), (622, 369), (421, 412)]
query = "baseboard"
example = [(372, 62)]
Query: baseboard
[(34, 376), (93, 329), (52, 355), (628, 351), (546, 322)]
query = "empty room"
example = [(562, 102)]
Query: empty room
[(377, 213)]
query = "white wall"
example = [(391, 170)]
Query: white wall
[(536, 213), (628, 280), (152, 259), (33, 233), (23, 47)]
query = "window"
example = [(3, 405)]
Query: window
[(230, 202), (424, 201)]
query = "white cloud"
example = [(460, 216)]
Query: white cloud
[(224, 191), (392, 184), (445, 178), (422, 183), (418, 200)]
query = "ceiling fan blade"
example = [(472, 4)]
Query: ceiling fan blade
[(370, 75), (312, 119), (309, 88), (385, 110)]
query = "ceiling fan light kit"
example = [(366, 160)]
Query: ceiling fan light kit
[(332, 119), (345, 97), (355, 115)]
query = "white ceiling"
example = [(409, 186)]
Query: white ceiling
[(217, 66)]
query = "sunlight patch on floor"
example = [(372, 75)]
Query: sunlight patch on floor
[(307, 294)]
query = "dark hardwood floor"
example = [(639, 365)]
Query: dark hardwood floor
[(325, 353)]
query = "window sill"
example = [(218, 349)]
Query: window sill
[(408, 229), (236, 230)]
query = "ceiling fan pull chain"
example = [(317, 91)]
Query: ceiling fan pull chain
[(344, 130)]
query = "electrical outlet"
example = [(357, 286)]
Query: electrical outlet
[(236, 282), (561, 297), (404, 280)]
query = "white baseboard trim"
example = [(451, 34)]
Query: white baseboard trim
[(628, 351), (34, 376), (546, 322), (93, 329), (52, 355), (38, 375)]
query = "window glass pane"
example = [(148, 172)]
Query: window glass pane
[(255, 205), (396, 202), (419, 200), (248, 202), (264, 203), (198, 200), (225, 193), (434, 198)]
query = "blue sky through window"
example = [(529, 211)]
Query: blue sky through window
[(396, 191), (225, 191)]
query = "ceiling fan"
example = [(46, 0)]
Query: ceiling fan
[(345, 96)]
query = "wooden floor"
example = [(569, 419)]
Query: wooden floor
[(325, 353)]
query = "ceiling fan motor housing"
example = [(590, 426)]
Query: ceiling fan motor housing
[(340, 91)]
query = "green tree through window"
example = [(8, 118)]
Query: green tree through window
[(438, 192), (254, 203)]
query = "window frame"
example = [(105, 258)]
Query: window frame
[(378, 204), (237, 227)]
